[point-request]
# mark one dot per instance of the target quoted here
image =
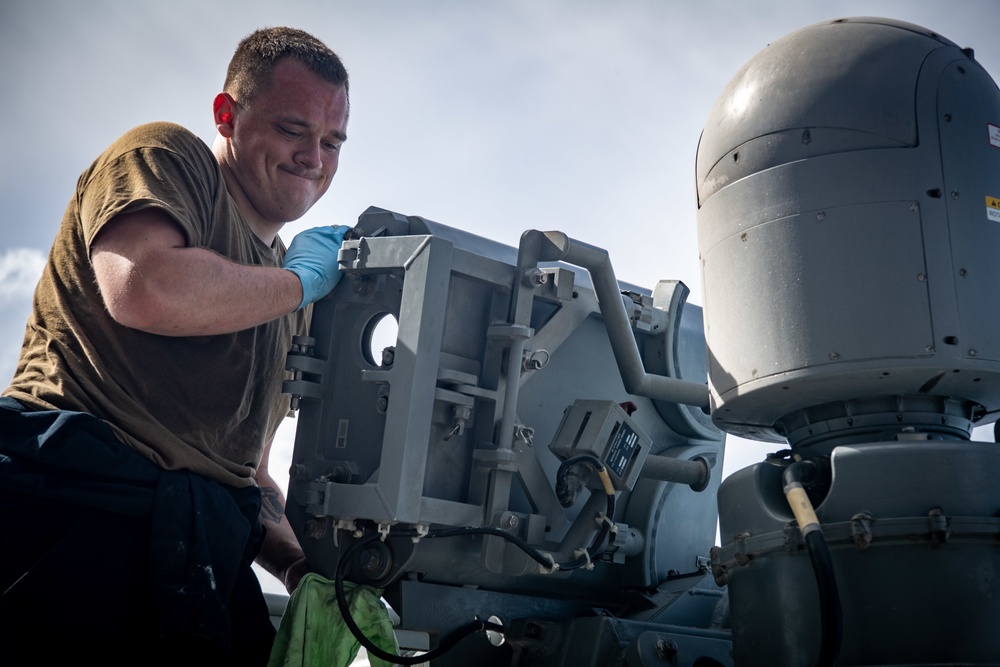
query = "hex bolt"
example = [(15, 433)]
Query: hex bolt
[(666, 649), (535, 278)]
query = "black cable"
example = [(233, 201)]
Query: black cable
[(808, 473), (568, 483), (486, 530), (597, 548), (446, 644), (831, 614)]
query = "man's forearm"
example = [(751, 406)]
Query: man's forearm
[(281, 554)]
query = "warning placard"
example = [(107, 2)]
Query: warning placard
[(993, 209), (994, 134)]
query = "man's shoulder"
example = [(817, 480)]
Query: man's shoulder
[(172, 147), (170, 136)]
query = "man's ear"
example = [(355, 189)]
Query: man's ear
[(224, 109)]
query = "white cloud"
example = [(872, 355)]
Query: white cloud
[(19, 272)]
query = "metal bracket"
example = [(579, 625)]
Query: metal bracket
[(861, 529)]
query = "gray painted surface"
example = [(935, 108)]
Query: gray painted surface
[(450, 427)]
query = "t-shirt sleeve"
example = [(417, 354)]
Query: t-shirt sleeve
[(169, 170)]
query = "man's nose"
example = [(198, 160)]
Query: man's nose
[(310, 155)]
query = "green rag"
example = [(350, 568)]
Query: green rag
[(313, 633)]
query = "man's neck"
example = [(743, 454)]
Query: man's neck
[(265, 231)]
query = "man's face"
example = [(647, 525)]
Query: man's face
[(284, 148)]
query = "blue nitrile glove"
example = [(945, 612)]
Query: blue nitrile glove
[(312, 256)]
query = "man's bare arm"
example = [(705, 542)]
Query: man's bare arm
[(281, 554), (151, 281)]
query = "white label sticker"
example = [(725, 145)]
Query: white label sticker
[(994, 134)]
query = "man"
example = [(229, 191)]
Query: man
[(134, 436)]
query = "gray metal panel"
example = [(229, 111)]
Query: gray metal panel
[(452, 431), (889, 585), (970, 153), (816, 294), (796, 84), (836, 273)]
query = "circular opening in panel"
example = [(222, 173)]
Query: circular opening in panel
[(379, 342)]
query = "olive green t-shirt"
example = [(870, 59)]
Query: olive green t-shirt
[(207, 404)]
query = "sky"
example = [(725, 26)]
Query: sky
[(493, 117)]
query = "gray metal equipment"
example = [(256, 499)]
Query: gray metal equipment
[(533, 447), (849, 225)]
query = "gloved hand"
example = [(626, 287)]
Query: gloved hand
[(312, 256)]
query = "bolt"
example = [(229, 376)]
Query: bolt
[(303, 344), (299, 472), (339, 473), (315, 527), (370, 560), (362, 285), (666, 649), (535, 278)]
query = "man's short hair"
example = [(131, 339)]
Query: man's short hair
[(252, 64)]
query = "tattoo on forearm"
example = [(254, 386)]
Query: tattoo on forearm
[(271, 508)]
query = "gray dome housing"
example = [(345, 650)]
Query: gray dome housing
[(849, 228)]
